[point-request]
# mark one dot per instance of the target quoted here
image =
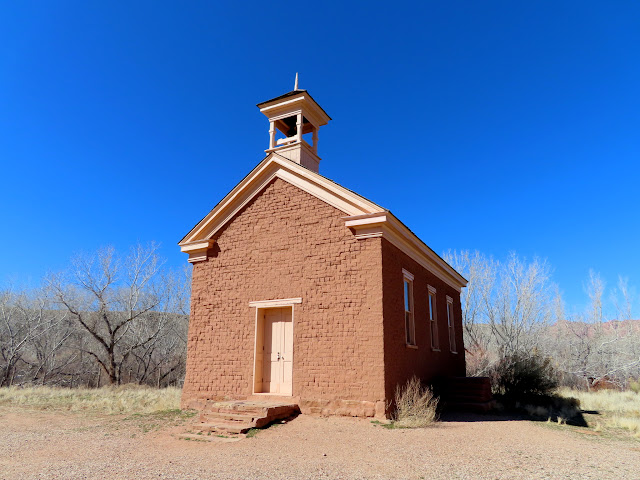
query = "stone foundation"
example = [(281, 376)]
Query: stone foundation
[(317, 407)]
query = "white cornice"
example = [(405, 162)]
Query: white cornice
[(197, 250), (387, 226)]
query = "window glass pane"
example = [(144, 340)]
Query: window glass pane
[(407, 325), (430, 307), (449, 313), (406, 296)]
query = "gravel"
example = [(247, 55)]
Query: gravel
[(58, 445)]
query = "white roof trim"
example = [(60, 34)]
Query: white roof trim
[(387, 226), (271, 167)]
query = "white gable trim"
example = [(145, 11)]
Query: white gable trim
[(271, 167)]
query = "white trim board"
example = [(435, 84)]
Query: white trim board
[(282, 302)]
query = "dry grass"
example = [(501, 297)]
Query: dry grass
[(415, 405), (125, 399), (617, 409)]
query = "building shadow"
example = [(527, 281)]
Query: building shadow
[(548, 408)]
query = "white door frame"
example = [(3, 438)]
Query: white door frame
[(260, 306)]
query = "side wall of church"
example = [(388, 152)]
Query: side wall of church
[(423, 361)]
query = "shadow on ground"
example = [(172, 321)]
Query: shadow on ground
[(534, 408)]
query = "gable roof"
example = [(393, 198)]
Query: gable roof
[(365, 218)]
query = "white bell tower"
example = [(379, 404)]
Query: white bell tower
[(295, 114)]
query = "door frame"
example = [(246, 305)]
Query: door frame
[(261, 306)]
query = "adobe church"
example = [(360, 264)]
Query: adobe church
[(308, 292)]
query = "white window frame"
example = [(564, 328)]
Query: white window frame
[(432, 312), (451, 325), (409, 315)]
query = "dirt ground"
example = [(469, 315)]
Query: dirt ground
[(59, 445)]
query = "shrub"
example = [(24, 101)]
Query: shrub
[(634, 385), (520, 376), (415, 405)]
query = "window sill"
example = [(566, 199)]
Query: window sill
[(414, 347), (435, 349), (454, 352)]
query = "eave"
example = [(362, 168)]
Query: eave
[(386, 225)]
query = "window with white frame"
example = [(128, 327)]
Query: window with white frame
[(409, 324), (433, 318), (452, 331)]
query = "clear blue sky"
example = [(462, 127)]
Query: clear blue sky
[(487, 125)]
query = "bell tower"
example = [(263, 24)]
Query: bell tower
[(294, 115)]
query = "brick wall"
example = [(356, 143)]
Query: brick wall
[(401, 362), (286, 244)]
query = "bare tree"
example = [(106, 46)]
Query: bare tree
[(589, 349), (622, 298), (122, 304), (50, 355), (480, 272), (504, 306), (521, 304), (23, 319), (595, 290)]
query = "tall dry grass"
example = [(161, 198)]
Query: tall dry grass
[(618, 409), (415, 405), (125, 399)]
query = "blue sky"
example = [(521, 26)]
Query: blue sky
[(488, 125)]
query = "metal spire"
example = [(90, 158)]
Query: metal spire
[(296, 84)]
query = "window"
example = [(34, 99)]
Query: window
[(409, 324), (433, 322), (452, 331)]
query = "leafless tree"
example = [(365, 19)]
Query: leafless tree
[(622, 298), (589, 349), (23, 320), (124, 305), (595, 290), (504, 306)]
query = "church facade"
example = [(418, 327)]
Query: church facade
[(306, 290)]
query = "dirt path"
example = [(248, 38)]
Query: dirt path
[(54, 445)]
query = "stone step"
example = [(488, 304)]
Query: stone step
[(223, 426), (232, 410), (238, 417), (249, 408), (207, 417)]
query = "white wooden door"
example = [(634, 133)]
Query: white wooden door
[(278, 351), (286, 357)]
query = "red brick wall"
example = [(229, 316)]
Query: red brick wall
[(286, 244), (401, 362)]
